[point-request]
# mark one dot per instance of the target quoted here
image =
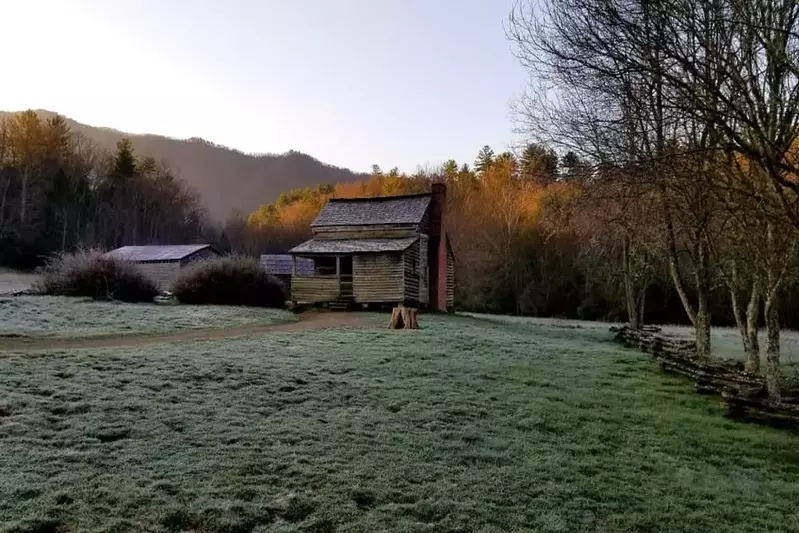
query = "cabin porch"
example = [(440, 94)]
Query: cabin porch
[(329, 281), (343, 279)]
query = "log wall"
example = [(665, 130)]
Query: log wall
[(411, 260), (378, 278), (317, 289)]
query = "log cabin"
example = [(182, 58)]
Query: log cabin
[(378, 251)]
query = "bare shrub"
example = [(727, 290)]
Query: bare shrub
[(89, 273), (232, 280)]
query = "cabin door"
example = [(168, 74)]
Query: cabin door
[(345, 274)]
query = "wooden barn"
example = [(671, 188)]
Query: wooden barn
[(383, 250), (162, 264)]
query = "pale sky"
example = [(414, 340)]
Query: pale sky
[(351, 82)]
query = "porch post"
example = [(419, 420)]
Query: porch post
[(338, 266)]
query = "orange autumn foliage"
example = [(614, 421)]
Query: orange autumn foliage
[(493, 218), (498, 198), (297, 208)]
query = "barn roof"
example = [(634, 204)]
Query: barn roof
[(143, 254), (369, 211), (350, 246), (280, 265)]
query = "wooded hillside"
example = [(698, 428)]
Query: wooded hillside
[(226, 179), (58, 192)]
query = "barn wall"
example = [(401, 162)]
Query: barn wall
[(411, 260), (163, 273), (450, 279), (378, 278), (313, 290)]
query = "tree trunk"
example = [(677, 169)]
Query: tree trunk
[(23, 206), (752, 344), (702, 328), (78, 234), (642, 307), (747, 322), (135, 224), (64, 229), (702, 323), (772, 347), (403, 318), (774, 279), (396, 319), (674, 269), (738, 314), (3, 196), (678, 285), (629, 290)]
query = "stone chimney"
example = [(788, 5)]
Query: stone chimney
[(437, 253)]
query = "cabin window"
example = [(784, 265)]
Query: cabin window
[(325, 266)]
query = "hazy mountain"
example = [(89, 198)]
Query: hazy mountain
[(226, 179)]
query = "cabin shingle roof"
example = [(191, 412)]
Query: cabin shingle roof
[(350, 246), (143, 254), (370, 211)]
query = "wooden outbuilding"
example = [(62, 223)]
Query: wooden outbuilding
[(162, 263), (382, 250)]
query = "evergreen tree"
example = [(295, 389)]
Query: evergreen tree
[(539, 163), (573, 165), (508, 159), (485, 158), (26, 136), (450, 169), (124, 160)]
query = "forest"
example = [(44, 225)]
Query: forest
[(59, 192)]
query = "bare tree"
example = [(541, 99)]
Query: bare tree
[(688, 84), (613, 105)]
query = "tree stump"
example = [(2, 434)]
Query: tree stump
[(404, 318)]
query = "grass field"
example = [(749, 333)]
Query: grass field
[(465, 426), (65, 316), (725, 342)]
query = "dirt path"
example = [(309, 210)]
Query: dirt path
[(307, 321)]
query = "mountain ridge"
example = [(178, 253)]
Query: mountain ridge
[(228, 180)]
